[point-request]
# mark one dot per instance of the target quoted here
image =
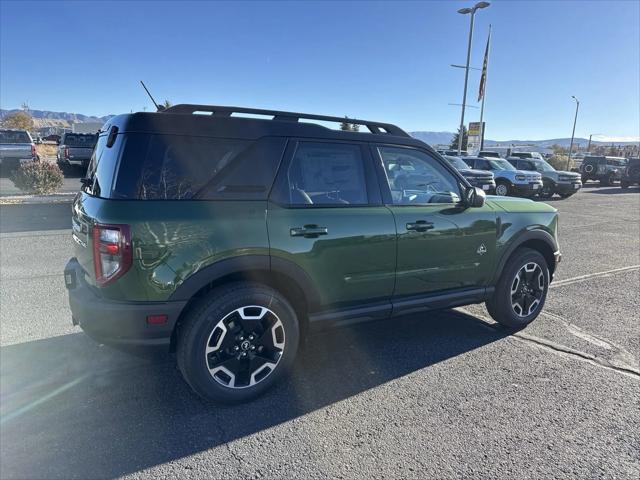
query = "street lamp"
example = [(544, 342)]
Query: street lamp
[(464, 11), (575, 119)]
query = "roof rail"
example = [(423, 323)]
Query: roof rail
[(221, 111)]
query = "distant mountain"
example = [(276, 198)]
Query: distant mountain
[(444, 138), (44, 117)]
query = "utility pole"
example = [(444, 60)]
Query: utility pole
[(573, 133)]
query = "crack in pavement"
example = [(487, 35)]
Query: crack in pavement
[(589, 276), (557, 348)]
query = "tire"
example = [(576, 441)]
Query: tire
[(606, 181), (237, 342), (624, 185), (502, 189), (547, 190), (501, 305), (565, 195)]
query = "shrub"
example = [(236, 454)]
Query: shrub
[(559, 162), (38, 177)]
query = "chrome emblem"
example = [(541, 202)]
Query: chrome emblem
[(482, 249)]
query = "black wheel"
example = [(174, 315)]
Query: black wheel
[(606, 181), (237, 342), (565, 195), (624, 185), (547, 190), (502, 188), (521, 290)]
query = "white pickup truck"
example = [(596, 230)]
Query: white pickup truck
[(16, 147)]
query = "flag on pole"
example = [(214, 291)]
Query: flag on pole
[(483, 77)]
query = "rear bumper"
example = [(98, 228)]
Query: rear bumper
[(119, 324)]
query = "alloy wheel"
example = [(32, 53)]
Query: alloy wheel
[(502, 190), (245, 347), (527, 289)]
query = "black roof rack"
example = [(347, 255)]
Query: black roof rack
[(221, 111)]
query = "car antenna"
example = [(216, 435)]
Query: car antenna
[(159, 108)]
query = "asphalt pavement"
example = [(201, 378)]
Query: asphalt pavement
[(440, 395)]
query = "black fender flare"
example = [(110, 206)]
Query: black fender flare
[(253, 267), (521, 239)]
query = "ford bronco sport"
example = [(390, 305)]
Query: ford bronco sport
[(224, 239), (563, 183)]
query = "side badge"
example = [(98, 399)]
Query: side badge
[(482, 249)]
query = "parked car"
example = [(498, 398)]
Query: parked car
[(605, 169), (477, 178), (509, 181), (563, 183), (631, 174), (52, 138), (225, 239), (75, 149), (534, 155), (488, 154), (16, 147)]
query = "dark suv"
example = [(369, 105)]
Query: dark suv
[(605, 169), (554, 181), (225, 238), (631, 174)]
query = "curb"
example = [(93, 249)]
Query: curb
[(37, 199)]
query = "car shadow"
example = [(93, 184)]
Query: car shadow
[(616, 190), (73, 409)]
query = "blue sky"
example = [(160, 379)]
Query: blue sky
[(387, 61)]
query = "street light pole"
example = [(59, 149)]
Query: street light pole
[(464, 11), (575, 119)]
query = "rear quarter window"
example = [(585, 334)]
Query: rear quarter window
[(178, 167)]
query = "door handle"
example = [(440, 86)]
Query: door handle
[(308, 231), (420, 226)]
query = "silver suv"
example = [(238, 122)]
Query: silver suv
[(509, 181)]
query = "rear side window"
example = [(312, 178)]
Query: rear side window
[(182, 168), (101, 170)]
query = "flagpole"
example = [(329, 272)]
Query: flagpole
[(484, 92)]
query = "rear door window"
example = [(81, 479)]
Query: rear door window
[(324, 174)]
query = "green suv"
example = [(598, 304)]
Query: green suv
[(225, 239)]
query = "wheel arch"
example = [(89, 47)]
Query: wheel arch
[(282, 275), (539, 240)]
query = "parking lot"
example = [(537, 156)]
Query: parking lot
[(443, 395)]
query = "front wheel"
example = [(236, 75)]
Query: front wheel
[(521, 290), (624, 185), (502, 189), (547, 190), (238, 342)]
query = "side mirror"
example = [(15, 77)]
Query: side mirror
[(475, 197)]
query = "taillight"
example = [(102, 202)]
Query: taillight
[(111, 252), (33, 150), (66, 152)]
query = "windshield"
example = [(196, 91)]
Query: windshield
[(80, 140), (457, 162), (500, 165), (542, 166), (11, 136)]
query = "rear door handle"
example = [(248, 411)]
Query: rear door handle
[(308, 231), (420, 226)]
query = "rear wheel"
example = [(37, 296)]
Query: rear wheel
[(521, 290), (606, 181), (502, 189), (238, 342)]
